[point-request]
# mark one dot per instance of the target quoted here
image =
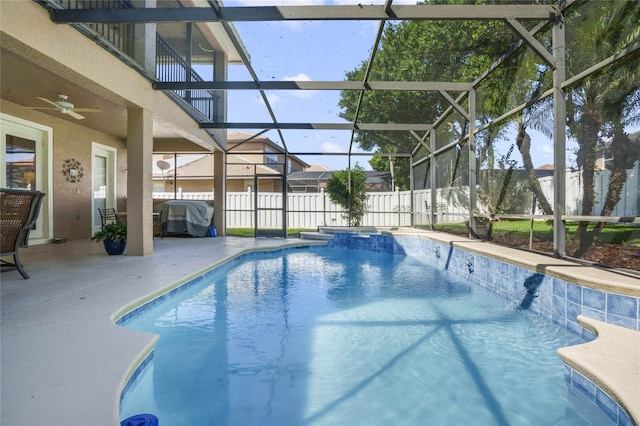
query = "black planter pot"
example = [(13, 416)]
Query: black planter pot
[(115, 246), (482, 231)]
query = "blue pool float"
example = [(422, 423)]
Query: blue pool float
[(140, 420)]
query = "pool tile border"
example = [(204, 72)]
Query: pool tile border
[(584, 387), (557, 299)]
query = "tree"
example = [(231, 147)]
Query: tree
[(600, 108), (348, 189), (501, 190), (538, 117), (420, 51)]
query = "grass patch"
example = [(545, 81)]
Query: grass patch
[(249, 232), (614, 233)]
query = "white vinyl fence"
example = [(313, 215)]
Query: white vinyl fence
[(629, 204), (395, 208), (313, 210)]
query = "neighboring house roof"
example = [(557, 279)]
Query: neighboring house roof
[(235, 138), (197, 169), (308, 178), (372, 175), (317, 168), (374, 178), (242, 136), (238, 166), (544, 170)]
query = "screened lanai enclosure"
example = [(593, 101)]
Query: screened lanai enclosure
[(512, 121)]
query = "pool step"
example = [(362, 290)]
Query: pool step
[(318, 236)]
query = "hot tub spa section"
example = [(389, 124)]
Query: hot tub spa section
[(606, 370)]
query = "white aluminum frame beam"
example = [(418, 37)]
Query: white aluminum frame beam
[(320, 126), (305, 13), (531, 41), (315, 85)]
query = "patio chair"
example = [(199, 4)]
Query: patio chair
[(157, 224), (107, 216), (19, 210)]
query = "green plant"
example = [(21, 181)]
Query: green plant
[(111, 231), (348, 188)]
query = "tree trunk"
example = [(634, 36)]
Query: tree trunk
[(589, 127), (524, 146), (620, 161)]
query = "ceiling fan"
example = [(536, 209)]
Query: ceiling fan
[(66, 107)]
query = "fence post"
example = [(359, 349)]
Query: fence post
[(399, 208), (324, 207)]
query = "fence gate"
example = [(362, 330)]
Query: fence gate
[(270, 212)]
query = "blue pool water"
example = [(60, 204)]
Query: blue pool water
[(330, 336)]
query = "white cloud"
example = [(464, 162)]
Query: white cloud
[(545, 149), (332, 147), (303, 94), (273, 99), (298, 77)]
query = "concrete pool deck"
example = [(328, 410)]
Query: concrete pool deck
[(64, 361)]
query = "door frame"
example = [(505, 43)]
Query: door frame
[(111, 154), (43, 135)]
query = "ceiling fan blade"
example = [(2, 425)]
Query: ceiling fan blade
[(75, 115), (48, 101), (41, 108), (87, 110)]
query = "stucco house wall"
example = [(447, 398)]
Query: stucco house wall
[(72, 201)]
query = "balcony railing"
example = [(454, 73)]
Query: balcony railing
[(118, 36), (171, 67), (119, 39)]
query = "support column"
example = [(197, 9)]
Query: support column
[(473, 169), (144, 43), (139, 182), (559, 138), (220, 65), (220, 192), (433, 178), (411, 192)]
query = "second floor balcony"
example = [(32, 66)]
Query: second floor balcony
[(163, 52)]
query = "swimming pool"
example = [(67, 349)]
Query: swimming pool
[(339, 336)]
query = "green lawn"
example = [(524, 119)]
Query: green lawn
[(249, 232), (614, 233), (542, 230)]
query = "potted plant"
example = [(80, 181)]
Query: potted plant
[(114, 237), (483, 227)]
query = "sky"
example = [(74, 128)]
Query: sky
[(313, 51)]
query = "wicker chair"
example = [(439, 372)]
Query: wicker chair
[(19, 210)]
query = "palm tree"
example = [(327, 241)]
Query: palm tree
[(604, 104)]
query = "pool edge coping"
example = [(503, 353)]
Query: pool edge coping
[(594, 361), (591, 276)]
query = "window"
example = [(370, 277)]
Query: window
[(271, 158)]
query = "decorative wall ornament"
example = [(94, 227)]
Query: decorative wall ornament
[(72, 170)]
